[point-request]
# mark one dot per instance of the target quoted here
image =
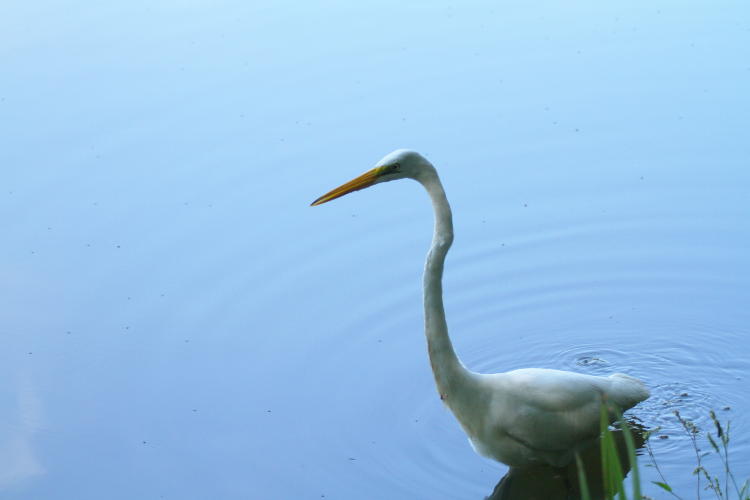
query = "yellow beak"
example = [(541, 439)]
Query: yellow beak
[(365, 180)]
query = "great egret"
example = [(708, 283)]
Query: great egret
[(522, 417)]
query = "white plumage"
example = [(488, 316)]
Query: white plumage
[(521, 417)]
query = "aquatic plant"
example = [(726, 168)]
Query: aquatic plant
[(613, 469), (720, 445), (724, 487)]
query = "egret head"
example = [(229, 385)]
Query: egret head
[(399, 164)]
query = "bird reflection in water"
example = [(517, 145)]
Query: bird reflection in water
[(544, 482)]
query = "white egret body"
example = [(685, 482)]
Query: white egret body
[(521, 417)]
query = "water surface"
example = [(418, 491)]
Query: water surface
[(176, 322)]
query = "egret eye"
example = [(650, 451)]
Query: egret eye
[(396, 167)]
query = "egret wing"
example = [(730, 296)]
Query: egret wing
[(550, 409)]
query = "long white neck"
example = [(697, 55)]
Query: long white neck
[(449, 373)]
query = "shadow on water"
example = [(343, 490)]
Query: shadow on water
[(550, 483)]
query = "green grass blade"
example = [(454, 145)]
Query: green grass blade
[(630, 444), (611, 467), (582, 482), (663, 486)]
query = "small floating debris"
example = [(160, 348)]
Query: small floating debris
[(590, 360)]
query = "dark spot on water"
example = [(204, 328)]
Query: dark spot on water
[(684, 395), (727, 408), (590, 360), (352, 459), (663, 436)]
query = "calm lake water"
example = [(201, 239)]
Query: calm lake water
[(177, 323)]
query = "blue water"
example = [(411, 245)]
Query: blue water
[(176, 322)]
